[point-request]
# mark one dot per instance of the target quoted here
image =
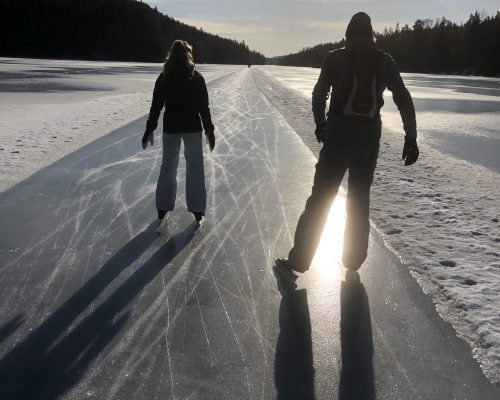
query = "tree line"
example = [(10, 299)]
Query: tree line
[(125, 30), (429, 46)]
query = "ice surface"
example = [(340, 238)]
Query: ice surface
[(199, 305), (49, 108), (440, 215), (88, 287)]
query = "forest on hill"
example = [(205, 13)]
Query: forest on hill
[(127, 30), (429, 46)]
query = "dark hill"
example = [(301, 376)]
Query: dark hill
[(127, 30)]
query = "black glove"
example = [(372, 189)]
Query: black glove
[(148, 137), (211, 139), (320, 132), (410, 151)]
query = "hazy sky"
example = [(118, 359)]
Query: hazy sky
[(278, 27)]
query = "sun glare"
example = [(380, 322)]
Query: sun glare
[(328, 257)]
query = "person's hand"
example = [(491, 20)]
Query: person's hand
[(320, 132), (410, 151), (148, 137), (211, 139)]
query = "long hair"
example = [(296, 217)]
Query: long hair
[(179, 57)]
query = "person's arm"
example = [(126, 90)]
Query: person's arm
[(157, 103), (154, 112), (321, 92), (206, 117), (320, 95), (404, 102)]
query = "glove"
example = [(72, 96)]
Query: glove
[(211, 139), (410, 151), (320, 132), (148, 137)]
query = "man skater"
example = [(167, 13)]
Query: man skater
[(357, 75)]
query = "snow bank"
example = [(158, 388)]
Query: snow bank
[(441, 215)]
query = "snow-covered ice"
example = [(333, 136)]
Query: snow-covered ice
[(441, 215), (49, 108)]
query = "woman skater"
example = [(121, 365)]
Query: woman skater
[(182, 90)]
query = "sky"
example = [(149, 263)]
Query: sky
[(279, 27)]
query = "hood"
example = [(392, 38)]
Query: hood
[(361, 46), (359, 26)]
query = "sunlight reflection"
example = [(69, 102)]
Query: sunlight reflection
[(328, 257)]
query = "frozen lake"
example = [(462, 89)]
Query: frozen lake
[(440, 217), (119, 312)]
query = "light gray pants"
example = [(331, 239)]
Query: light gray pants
[(166, 190)]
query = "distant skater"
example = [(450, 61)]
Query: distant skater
[(357, 75), (183, 92)]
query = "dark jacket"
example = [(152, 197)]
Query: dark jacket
[(184, 95), (337, 68)]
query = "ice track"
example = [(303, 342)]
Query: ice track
[(94, 304)]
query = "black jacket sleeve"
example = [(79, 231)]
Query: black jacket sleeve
[(204, 108), (321, 92), (403, 100), (159, 95)]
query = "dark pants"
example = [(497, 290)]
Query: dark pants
[(358, 154)]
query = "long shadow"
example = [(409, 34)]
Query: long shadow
[(294, 371), (357, 381), (10, 327), (48, 363)]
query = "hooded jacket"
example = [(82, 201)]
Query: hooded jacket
[(337, 67), (184, 95)]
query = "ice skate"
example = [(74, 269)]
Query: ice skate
[(198, 216), (162, 224)]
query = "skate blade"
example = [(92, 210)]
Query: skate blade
[(163, 226)]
